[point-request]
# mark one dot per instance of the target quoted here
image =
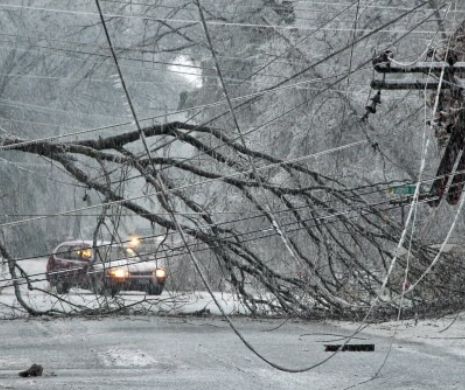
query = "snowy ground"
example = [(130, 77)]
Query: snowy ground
[(185, 353), (136, 352), (445, 334)]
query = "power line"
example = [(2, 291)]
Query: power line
[(296, 16), (37, 107), (179, 226), (315, 5), (139, 197), (206, 105), (342, 212), (36, 173), (235, 82), (193, 244), (174, 218), (360, 67), (367, 4), (379, 187), (35, 45), (307, 69), (413, 208), (199, 228), (279, 211), (166, 201), (314, 64), (303, 39), (216, 103), (210, 22)]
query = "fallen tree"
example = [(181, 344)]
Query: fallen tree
[(323, 247)]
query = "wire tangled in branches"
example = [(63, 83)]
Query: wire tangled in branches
[(340, 263)]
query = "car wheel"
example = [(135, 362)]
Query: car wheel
[(51, 281), (154, 289), (113, 290), (62, 287), (103, 288)]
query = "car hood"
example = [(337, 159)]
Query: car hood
[(130, 264)]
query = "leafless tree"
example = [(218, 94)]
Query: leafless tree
[(294, 222)]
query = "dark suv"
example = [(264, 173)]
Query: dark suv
[(108, 269)]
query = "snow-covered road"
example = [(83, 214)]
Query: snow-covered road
[(125, 352), (186, 353)]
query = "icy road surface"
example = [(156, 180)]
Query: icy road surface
[(179, 353)]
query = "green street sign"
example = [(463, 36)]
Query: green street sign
[(407, 190)]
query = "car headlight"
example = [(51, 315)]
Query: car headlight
[(119, 273), (160, 273), (84, 254), (134, 242)]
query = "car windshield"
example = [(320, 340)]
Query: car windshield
[(113, 253)]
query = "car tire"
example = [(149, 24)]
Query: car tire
[(52, 281), (154, 289), (112, 291), (101, 287), (62, 287)]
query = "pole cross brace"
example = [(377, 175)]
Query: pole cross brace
[(421, 67), (411, 85)]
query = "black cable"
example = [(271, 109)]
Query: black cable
[(248, 233), (245, 342), (295, 107), (287, 210)]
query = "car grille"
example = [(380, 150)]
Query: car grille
[(142, 274)]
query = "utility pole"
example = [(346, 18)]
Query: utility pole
[(449, 121)]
